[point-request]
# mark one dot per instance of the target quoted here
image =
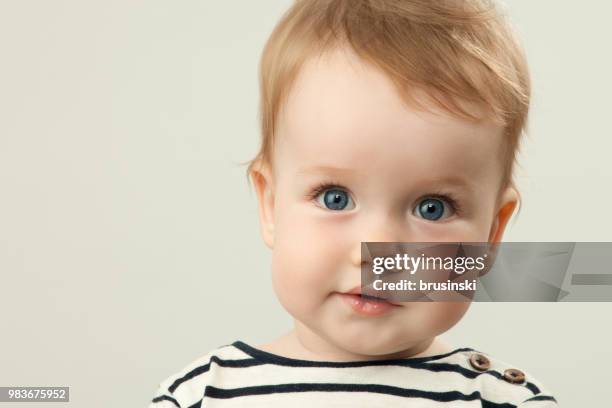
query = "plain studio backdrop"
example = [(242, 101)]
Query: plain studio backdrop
[(129, 240)]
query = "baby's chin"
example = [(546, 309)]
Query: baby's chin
[(375, 344), (415, 334)]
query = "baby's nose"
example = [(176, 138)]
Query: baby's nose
[(385, 230)]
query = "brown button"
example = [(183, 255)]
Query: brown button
[(480, 362), (514, 376)]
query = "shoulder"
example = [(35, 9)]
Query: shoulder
[(500, 382), (185, 387)]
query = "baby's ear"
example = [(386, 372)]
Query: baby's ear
[(503, 213), (264, 187)]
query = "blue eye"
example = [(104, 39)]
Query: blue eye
[(336, 199), (431, 209)]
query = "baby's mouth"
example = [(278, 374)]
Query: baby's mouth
[(374, 298), (356, 291), (367, 305)]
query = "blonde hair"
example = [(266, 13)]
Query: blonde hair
[(456, 50)]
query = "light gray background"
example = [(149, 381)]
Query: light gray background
[(126, 221)]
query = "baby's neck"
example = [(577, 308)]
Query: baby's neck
[(301, 343)]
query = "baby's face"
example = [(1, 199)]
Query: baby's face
[(393, 175)]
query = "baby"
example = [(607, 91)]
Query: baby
[(382, 121)]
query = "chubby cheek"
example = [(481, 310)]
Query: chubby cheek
[(305, 261), (459, 231), (434, 318)]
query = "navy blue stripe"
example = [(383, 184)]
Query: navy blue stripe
[(446, 367), (533, 388), (541, 398), (293, 362), (243, 362), (249, 362), (448, 396), (166, 398), (425, 363)]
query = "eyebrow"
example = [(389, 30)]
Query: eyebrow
[(451, 180), (325, 169)]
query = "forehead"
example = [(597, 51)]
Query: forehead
[(343, 112)]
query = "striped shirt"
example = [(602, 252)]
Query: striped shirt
[(240, 375)]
